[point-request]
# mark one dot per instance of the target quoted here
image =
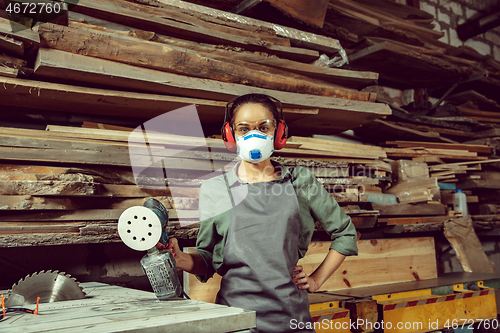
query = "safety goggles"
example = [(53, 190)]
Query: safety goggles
[(266, 126)]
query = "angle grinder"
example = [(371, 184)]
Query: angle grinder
[(141, 228)]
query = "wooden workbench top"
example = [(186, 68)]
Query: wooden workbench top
[(116, 309)]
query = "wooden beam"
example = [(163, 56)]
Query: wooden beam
[(413, 220), (343, 77), (334, 114), (420, 209), (297, 37), (81, 215), (470, 252), (468, 147), (154, 19), (58, 65), (161, 57)]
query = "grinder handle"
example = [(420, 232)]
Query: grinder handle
[(159, 209)]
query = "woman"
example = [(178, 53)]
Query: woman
[(257, 221)]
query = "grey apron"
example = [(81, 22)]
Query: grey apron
[(260, 253)]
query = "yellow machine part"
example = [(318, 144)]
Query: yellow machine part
[(420, 311), (329, 317)]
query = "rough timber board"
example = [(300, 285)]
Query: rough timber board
[(115, 309), (146, 18), (297, 37), (138, 52), (381, 261), (69, 67), (334, 114)]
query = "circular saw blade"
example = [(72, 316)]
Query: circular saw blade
[(50, 286)]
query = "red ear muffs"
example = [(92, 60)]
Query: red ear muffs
[(228, 137), (280, 135)]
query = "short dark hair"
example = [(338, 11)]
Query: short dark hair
[(261, 99)]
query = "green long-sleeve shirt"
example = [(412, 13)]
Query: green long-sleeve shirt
[(315, 204)]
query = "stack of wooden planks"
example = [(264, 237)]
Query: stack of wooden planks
[(425, 185), (141, 59), (382, 36), (69, 185)]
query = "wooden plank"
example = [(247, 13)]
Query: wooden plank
[(459, 164), (19, 31), (83, 215), (471, 148), (476, 98), (470, 253), (332, 150), (112, 102), (175, 60), (471, 113), (413, 220), (297, 37), (392, 260), (343, 77), (421, 209), (100, 234), (158, 20), (11, 46), (227, 56), (8, 72), (204, 21), (478, 184), (104, 158), (364, 222), (11, 228), (29, 202), (58, 65), (390, 130), (385, 19), (310, 143)]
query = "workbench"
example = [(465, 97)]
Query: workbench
[(109, 308)]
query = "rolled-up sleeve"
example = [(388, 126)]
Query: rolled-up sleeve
[(325, 209)]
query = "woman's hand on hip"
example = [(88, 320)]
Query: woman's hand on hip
[(304, 281)]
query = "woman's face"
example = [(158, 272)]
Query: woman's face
[(253, 114)]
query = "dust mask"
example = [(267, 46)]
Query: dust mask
[(255, 146)]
